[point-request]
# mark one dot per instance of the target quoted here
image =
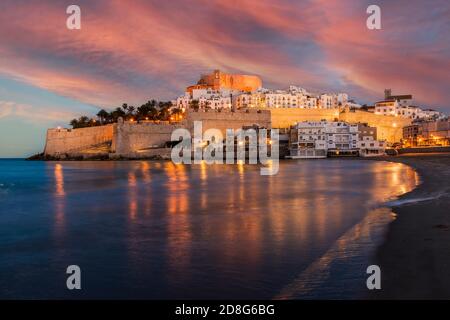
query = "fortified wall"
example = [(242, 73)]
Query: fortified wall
[(227, 119), (389, 128), (134, 140), (61, 141), (132, 137), (286, 117)]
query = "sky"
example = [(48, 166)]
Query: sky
[(136, 50)]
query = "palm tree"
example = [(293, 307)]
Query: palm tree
[(130, 111), (164, 113), (102, 115), (118, 112)]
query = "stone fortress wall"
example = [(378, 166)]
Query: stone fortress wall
[(130, 139), (389, 128), (286, 117), (61, 141), (227, 119)]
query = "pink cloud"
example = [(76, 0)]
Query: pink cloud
[(135, 50), (34, 113)]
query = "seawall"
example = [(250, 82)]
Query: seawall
[(60, 141), (132, 137)]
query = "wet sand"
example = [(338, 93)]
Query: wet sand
[(415, 256)]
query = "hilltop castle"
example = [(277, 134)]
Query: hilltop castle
[(224, 81)]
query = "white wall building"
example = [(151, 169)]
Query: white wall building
[(430, 114), (308, 140), (294, 97), (369, 147), (207, 98), (319, 139), (342, 138), (401, 106)]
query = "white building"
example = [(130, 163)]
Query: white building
[(207, 98), (183, 102), (392, 107), (342, 138), (319, 139), (308, 140), (332, 100), (386, 107), (294, 97), (430, 114), (369, 147), (401, 106)]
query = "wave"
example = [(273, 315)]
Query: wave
[(407, 201)]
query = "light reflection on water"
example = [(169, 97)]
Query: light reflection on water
[(158, 230)]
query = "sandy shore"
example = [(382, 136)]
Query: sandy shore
[(415, 256)]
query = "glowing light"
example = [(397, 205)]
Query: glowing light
[(59, 178)]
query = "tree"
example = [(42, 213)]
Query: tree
[(152, 109), (130, 112), (147, 110), (74, 123), (194, 104), (177, 114), (118, 112), (81, 122), (164, 113), (103, 115)]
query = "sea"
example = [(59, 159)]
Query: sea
[(158, 230)]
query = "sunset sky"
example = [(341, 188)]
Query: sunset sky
[(135, 50)]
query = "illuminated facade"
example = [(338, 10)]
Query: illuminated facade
[(319, 139), (219, 80), (427, 133)]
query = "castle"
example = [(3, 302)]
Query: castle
[(220, 81)]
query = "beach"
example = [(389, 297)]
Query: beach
[(415, 256)]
